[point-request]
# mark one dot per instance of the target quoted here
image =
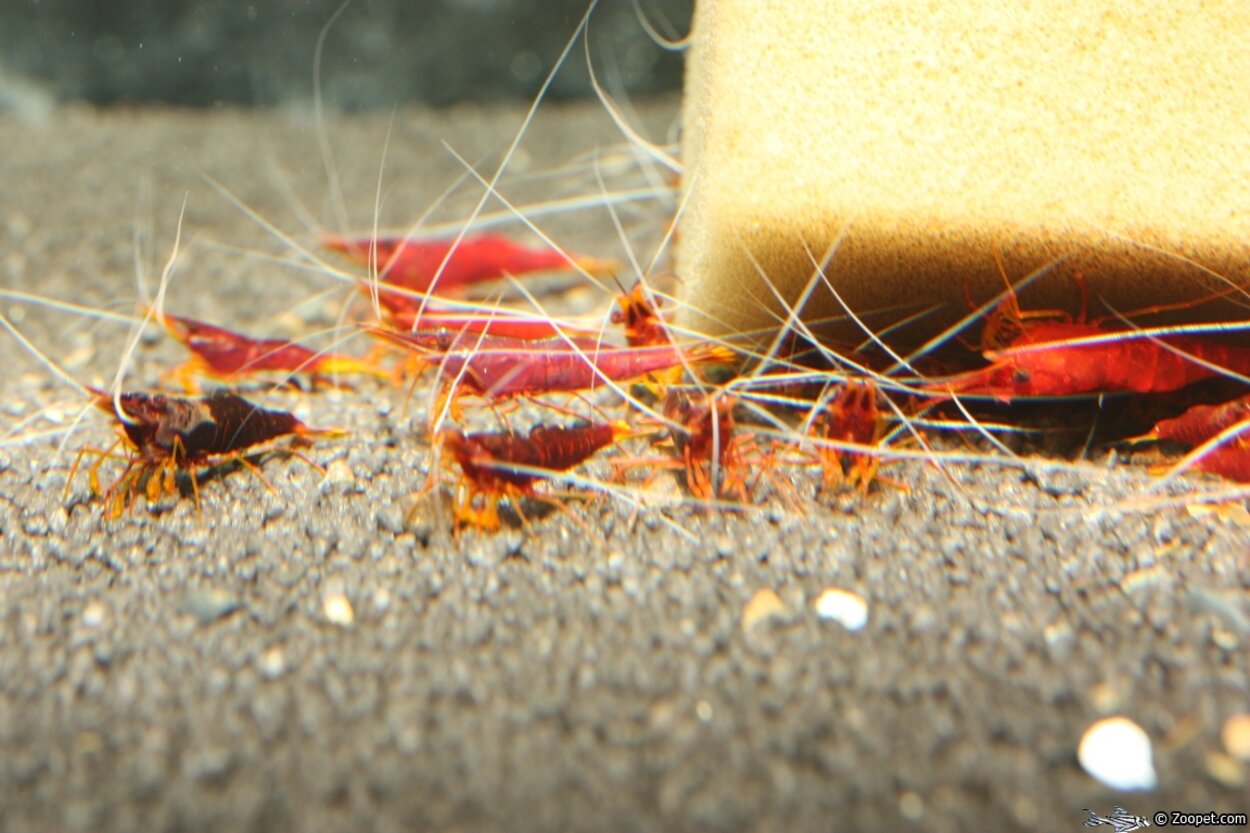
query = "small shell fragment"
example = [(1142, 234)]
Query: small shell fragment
[(764, 605), (1236, 736), (1225, 769), (844, 607), (339, 471), (1117, 752)]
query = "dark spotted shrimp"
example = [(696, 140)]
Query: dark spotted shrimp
[(167, 434)]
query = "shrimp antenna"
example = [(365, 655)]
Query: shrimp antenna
[(491, 189), (620, 231), (57, 371), (510, 152), (374, 276), (664, 42), (323, 139), (143, 233), (981, 311), (655, 151), (157, 309), (873, 336), (42, 357)]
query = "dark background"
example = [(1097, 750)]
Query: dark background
[(378, 53)]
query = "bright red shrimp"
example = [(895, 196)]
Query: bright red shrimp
[(505, 465), (1044, 361), (1039, 353), (413, 263), (167, 434), (227, 355), (1231, 461), (1201, 422), (496, 367)]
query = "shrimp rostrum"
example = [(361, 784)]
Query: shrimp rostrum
[(169, 434)]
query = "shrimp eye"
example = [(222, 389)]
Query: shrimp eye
[(1021, 375)]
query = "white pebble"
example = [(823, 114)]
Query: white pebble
[(1117, 752), (272, 663), (911, 805), (93, 615), (844, 607), (338, 610)]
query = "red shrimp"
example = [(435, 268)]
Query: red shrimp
[(1045, 361), (1201, 422), (640, 318), (1231, 461), (496, 367), (167, 434), (227, 355), (504, 465), (851, 417), (704, 429), (1050, 353), (413, 263)]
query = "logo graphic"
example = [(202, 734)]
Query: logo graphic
[(1120, 820)]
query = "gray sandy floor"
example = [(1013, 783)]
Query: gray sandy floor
[(172, 671)]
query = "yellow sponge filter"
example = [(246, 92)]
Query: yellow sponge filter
[(923, 137)]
